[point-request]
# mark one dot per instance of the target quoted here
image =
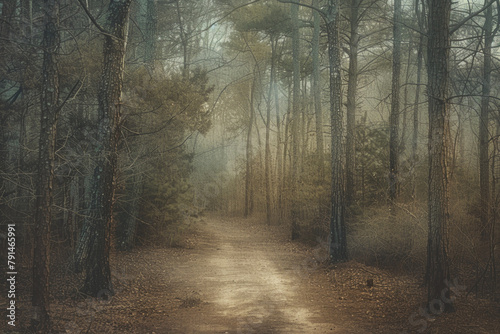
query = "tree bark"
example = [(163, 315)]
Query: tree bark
[(414, 148), (267, 158), (438, 49), (338, 243), (283, 198), (97, 225), (295, 120), (279, 157), (394, 117), (484, 136), (316, 91), (184, 41), (46, 155), (352, 88), (151, 32), (248, 175)]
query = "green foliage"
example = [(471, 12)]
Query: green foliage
[(162, 112), (270, 18), (372, 162)]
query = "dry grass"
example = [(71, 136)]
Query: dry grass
[(398, 239)]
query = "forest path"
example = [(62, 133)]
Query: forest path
[(235, 275), (243, 277)]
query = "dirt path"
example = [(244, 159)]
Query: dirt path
[(232, 275), (246, 280), (236, 275)]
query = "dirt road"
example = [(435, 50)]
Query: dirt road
[(235, 275), (244, 279)]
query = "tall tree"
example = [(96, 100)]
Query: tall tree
[(484, 135), (352, 88), (95, 236), (151, 32), (338, 242), (6, 24), (420, 15), (316, 91), (267, 158), (337, 237), (183, 34), (248, 173), (49, 99), (438, 50), (294, 14), (395, 104), (127, 226)]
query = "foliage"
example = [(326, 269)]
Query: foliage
[(163, 111), (372, 157)]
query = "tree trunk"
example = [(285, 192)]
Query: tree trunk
[(316, 91), (414, 148), (295, 120), (438, 48), (97, 225), (285, 185), (279, 157), (394, 117), (338, 243), (6, 20), (46, 155), (248, 175), (151, 32), (128, 224), (484, 136), (184, 41), (268, 130), (352, 88)]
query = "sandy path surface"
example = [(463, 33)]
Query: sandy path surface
[(235, 275), (244, 279)]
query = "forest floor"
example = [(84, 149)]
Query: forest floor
[(234, 275)]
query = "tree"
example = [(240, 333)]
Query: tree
[(352, 88), (420, 15), (268, 21), (95, 240), (337, 236), (49, 101), (249, 155), (484, 135), (294, 15), (151, 32), (438, 49), (338, 242), (394, 117)]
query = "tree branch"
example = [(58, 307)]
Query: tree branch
[(92, 18), (457, 26), (322, 13)]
